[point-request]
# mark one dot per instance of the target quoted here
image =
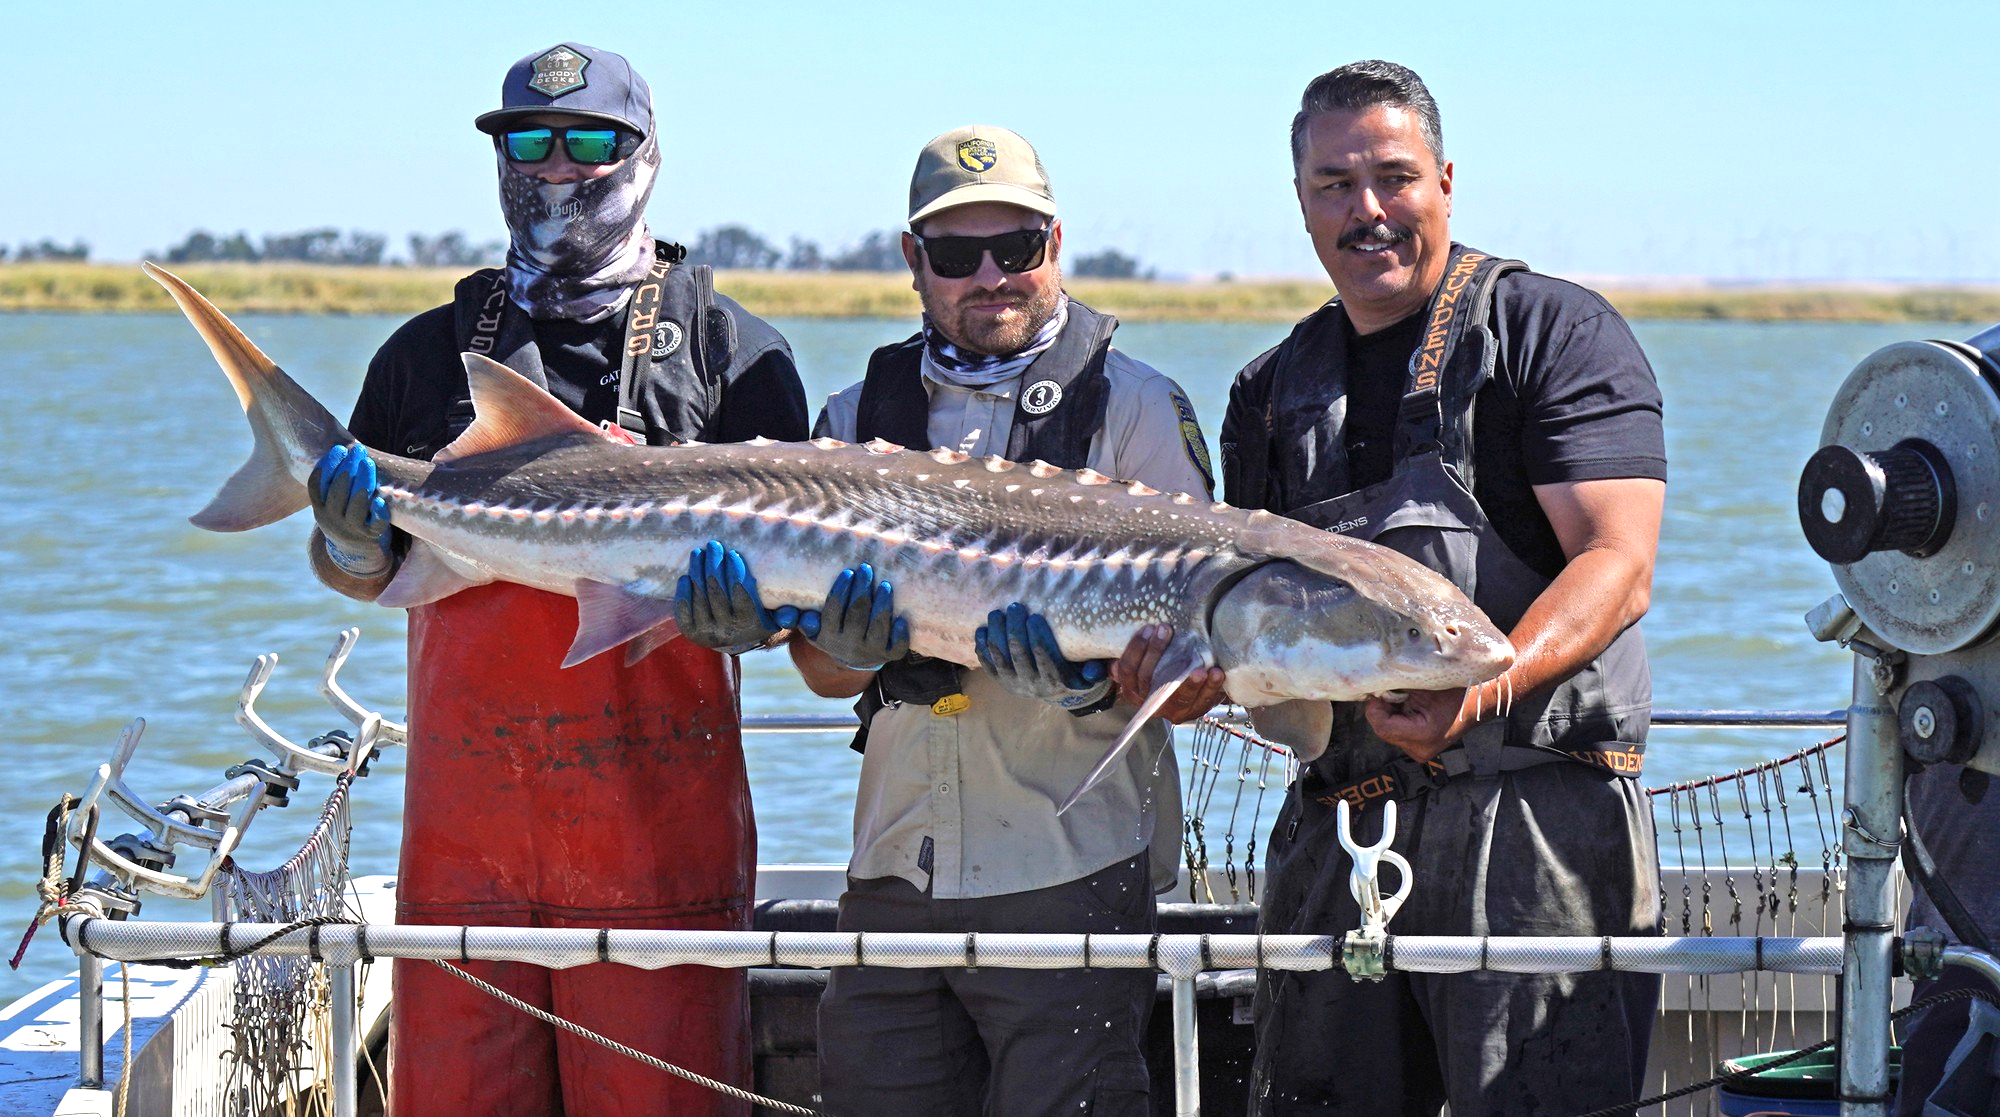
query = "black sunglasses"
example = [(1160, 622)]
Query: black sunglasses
[(587, 146), (958, 257)]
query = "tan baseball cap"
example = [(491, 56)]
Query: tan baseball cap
[(979, 164)]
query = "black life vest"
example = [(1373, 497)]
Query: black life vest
[(677, 345)]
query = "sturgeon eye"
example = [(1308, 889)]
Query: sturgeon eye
[(1415, 634)]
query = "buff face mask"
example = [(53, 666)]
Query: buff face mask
[(576, 248)]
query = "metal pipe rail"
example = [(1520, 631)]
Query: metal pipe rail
[(1180, 956)]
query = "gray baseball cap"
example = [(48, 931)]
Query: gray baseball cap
[(575, 79), (979, 164)]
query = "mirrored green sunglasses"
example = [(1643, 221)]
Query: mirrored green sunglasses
[(588, 146)]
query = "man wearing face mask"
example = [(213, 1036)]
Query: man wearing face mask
[(607, 794)]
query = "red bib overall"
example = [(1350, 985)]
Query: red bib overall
[(597, 796)]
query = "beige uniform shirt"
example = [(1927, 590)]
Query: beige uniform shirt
[(966, 805)]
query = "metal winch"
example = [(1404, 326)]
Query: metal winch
[(1903, 500)]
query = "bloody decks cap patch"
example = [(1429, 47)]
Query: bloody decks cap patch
[(558, 72)]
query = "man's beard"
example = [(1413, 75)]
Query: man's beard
[(981, 333)]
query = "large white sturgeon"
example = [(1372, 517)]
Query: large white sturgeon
[(534, 494)]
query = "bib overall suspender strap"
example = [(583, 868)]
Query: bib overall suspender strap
[(648, 337)]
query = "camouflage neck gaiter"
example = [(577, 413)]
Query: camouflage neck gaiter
[(576, 249)]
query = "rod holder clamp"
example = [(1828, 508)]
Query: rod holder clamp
[(278, 783), (1923, 954)]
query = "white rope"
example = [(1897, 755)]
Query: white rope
[(629, 1052), (125, 1069)]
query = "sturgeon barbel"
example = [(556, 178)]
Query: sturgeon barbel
[(533, 493)]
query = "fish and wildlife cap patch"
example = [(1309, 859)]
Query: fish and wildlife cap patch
[(982, 163), (577, 80)]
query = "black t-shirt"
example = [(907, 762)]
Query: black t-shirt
[(417, 378), (1378, 369), (1572, 399)]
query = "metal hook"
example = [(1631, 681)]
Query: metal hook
[(1364, 880)]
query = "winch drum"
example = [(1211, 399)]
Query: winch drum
[(1927, 413)]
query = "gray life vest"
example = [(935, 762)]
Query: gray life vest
[(895, 406)]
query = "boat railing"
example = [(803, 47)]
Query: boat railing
[(93, 926)]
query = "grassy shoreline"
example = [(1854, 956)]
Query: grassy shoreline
[(310, 289)]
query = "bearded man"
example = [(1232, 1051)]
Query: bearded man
[(955, 823), (604, 795)]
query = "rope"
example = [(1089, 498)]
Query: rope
[(52, 889), (629, 1052), (232, 954), (1624, 1108), (125, 1068), (1754, 769)]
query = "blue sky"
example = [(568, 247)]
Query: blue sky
[(1740, 141)]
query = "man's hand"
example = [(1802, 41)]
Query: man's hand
[(1424, 723), (716, 604), (1018, 649), (1133, 673), (354, 520), (857, 625)]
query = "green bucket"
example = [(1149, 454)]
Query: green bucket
[(1808, 1087)]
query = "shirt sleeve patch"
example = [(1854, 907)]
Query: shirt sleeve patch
[(1191, 438)]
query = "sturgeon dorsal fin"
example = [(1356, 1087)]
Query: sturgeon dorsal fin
[(509, 409)]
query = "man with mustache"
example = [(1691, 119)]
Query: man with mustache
[(955, 823), (607, 794), (1503, 428)]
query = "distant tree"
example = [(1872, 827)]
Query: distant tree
[(1107, 264), (3, 253), (308, 246), (326, 246), (881, 250), (202, 246), (804, 256), (47, 249), (734, 246), (452, 250), (362, 249)]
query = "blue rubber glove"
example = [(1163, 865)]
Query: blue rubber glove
[(857, 625), (1018, 649), (716, 603), (354, 520)]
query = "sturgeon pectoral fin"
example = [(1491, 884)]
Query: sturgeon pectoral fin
[(1180, 660), (425, 576), (509, 409), (607, 616), (1301, 725)]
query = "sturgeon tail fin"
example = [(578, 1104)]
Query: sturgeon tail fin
[(292, 430)]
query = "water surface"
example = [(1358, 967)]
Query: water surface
[(115, 429)]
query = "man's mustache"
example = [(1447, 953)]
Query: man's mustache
[(1381, 231)]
